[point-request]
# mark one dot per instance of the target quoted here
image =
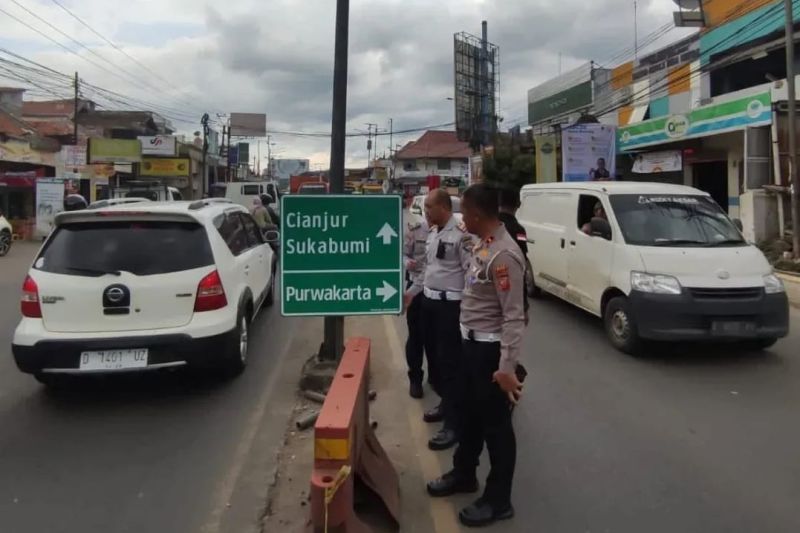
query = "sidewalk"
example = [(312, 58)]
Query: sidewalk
[(400, 430)]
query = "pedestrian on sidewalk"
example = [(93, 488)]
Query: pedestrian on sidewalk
[(417, 343), (448, 252), (492, 324)]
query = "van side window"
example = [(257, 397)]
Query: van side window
[(251, 190), (590, 207)]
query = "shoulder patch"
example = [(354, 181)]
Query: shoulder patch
[(501, 276)]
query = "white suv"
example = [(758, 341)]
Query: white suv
[(144, 286), (5, 235)]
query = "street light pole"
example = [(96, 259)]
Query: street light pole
[(333, 345), (794, 177)]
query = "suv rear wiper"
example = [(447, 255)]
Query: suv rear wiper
[(727, 241), (94, 271), (675, 242)]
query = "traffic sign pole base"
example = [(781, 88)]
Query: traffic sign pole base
[(333, 346)]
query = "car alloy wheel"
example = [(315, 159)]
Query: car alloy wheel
[(5, 243), (243, 339)]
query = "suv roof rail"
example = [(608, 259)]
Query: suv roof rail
[(205, 202)]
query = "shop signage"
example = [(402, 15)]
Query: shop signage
[(562, 102), (546, 159), (164, 167), (73, 157), (21, 152), (341, 255), (655, 162), (733, 115), (582, 146), (114, 150), (163, 145), (49, 202)]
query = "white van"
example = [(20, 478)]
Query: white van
[(655, 261), (243, 192)]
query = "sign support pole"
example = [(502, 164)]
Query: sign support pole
[(333, 345)]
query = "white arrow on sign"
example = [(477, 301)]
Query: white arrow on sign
[(387, 291), (386, 233)]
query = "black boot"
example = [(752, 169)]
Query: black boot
[(444, 439), (415, 390), (450, 484), (434, 415), (481, 513)]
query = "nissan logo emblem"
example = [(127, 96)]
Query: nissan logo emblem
[(723, 274), (115, 295)]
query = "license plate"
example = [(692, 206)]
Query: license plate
[(733, 328), (114, 359)]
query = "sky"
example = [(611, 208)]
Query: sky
[(189, 57)]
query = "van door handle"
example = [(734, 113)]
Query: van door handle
[(563, 243), (572, 243)]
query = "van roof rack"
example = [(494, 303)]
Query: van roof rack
[(205, 202)]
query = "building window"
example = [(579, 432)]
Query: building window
[(409, 165), (443, 164)]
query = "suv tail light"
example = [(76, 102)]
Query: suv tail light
[(210, 294), (29, 303)]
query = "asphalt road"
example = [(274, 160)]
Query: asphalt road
[(689, 439), (149, 453)]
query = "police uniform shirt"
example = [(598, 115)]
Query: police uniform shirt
[(414, 246), (493, 301), (447, 257)]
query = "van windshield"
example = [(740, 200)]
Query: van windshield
[(674, 220)]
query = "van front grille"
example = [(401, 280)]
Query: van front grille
[(736, 293)]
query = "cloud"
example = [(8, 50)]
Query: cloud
[(277, 56)]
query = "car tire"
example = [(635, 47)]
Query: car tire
[(53, 382), (5, 242), (764, 344), (620, 325), (530, 283), (270, 299), (236, 346)]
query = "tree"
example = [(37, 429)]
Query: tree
[(508, 164)]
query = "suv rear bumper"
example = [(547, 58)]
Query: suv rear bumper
[(63, 356)]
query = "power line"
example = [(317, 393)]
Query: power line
[(115, 46)]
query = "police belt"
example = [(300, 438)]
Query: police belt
[(450, 296), (478, 336)]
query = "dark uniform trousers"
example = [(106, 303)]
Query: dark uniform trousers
[(443, 325), (419, 341), (486, 418)]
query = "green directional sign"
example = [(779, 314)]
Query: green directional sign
[(341, 255)]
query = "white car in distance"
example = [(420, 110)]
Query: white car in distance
[(142, 287)]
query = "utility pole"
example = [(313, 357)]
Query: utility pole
[(206, 183), (794, 178), (636, 29), (369, 144), (391, 131), (75, 113), (230, 178), (269, 156), (333, 345)]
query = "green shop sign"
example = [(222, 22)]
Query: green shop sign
[(560, 103), (750, 111), (341, 255)]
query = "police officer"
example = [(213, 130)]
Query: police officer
[(508, 203), (492, 323), (447, 258), (418, 342)]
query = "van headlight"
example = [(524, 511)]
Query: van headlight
[(655, 283), (773, 284)]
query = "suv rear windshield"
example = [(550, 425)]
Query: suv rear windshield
[(142, 248)]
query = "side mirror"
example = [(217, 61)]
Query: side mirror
[(738, 223), (600, 228), (272, 236)]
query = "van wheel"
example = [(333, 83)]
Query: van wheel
[(236, 347), (270, 299), (5, 242), (530, 284), (621, 327)]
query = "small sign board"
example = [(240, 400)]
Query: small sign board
[(341, 255)]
